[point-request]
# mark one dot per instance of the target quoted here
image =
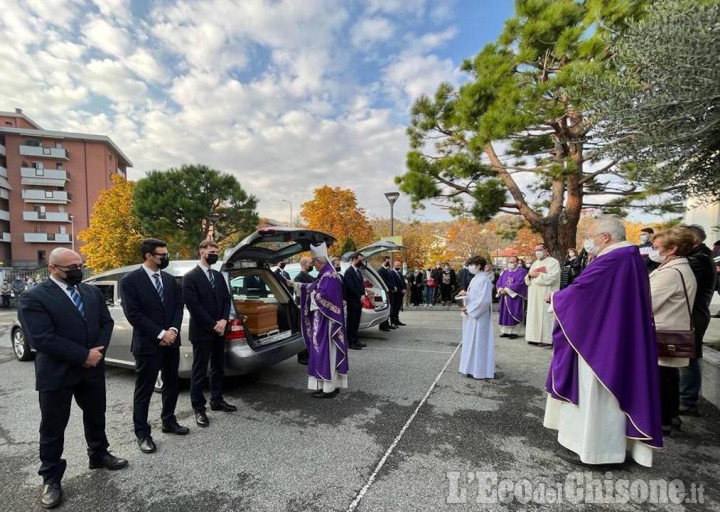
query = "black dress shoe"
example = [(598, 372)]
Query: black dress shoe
[(201, 419), (175, 428), (361, 344), (223, 406), (321, 394), (689, 410), (513, 336), (568, 455), (400, 323), (504, 335), (147, 445), (385, 328), (51, 495), (392, 326), (353, 346), (108, 461), (302, 361)]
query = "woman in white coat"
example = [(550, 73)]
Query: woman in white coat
[(478, 356), (672, 287)]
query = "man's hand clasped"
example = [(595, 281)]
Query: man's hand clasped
[(168, 338), (94, 357)]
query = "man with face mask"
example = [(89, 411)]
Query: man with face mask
[(645, 247), (303, 277), (512, 293), (69, 326), (152, 302), (603, 383), (542, 278), (208, 300), (477, 359)]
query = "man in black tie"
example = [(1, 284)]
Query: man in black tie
[(207, 298), (152, 302), (283, 276), (69, 326), (401, 285), (354, 293), (388, 278)]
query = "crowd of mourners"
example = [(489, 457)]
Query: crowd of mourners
[(625, 365)]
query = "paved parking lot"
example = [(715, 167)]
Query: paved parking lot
[(411, 433)]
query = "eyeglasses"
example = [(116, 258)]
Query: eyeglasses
[(71, 267), (160, 254)]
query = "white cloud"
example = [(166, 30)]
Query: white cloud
[(120, 10), (112, 40), (413, 76), (413, 7), (369, 31)]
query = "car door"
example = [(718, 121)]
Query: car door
[(118, 352)]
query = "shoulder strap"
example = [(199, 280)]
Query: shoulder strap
[(687, 299)]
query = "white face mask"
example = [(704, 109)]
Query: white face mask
[(540, 254), (655, 256), (644, 239), (472, 269), (512, 266), (589, 246)]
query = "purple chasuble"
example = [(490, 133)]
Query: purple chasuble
[(512, 309), (324, 325), (605, 317)]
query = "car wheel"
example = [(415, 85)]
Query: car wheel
[(159, 383), (21, 348)]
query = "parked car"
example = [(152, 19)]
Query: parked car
[(264, 327), (374, 285)]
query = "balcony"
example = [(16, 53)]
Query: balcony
[(5, 237), (45, 196), (5, 215), (38, 151), (46, 216), (44, 238), (3, 171), (43, 177), (2, 150), (4, 193)]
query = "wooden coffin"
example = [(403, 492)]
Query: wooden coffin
[(260, 318)]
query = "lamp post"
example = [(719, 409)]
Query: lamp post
[(291, 217), (392, 197), (72, 231), (213, 218)]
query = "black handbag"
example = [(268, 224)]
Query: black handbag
[(678, 343)]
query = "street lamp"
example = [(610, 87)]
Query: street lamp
[(72, 231), (392, 197), (213, 218), (291, 217)]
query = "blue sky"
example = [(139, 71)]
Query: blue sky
[(287, 95)]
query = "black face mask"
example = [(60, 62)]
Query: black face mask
[(211, 259), (337, 269), (164, 261), (281, 265), (73, 277)]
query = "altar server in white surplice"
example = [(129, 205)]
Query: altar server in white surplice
[(542, 279), (478, 350)]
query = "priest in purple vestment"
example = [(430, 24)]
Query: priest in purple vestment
[(322, 321), (603, 382), (512, 293)]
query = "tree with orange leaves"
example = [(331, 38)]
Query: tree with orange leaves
[(335, 211), (114, 234)]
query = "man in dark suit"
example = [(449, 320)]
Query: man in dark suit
[(354, 293), (401, 285), (152, 302), (304, 277), (207, 298), (388, 278), (69, 326)]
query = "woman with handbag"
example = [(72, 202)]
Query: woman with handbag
[(673, 288)]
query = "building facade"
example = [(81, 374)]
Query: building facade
[(49, 181)]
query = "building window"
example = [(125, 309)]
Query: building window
[(58, 166), (61, 208), (48, 194), (63, 230), (41, 258), (40, 227), (32, 141), (37, 165), (58, 145)]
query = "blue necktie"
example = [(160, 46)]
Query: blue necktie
[(159, 287), (211, 277), (75, 296)]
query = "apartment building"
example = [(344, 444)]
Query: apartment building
[(49, 181)]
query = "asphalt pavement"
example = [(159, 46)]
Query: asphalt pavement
[(411, 433)]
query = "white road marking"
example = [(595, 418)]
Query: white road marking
[(373, 475)]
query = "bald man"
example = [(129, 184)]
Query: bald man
[(69, 326)]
